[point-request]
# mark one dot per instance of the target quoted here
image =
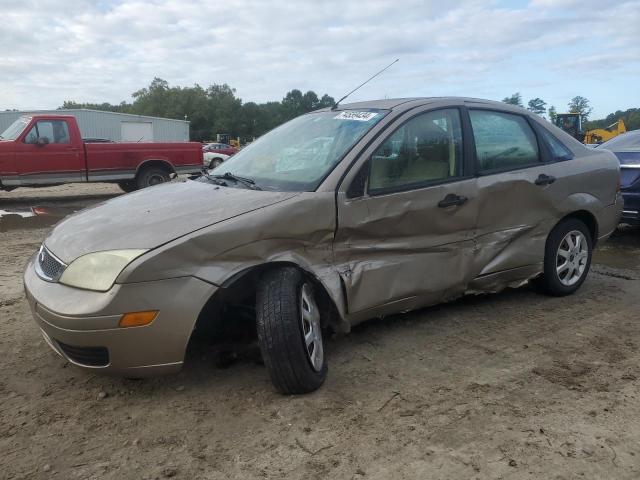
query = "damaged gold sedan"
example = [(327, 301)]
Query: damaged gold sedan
[(335, 217)]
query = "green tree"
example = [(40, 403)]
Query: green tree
[(295, 103), (215, 109), (272, 116), (123, 107), (326, 101), (225, 108), (250, 121), (537, 106), (631, 118), (580, 105), (515, 99), (152, 100), (552, 114)]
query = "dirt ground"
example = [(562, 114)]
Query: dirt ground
[(507, 386)]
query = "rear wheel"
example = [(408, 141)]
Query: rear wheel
[(150, 176), (567, 258), (215, 162), (289, 331)]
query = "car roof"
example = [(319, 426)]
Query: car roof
[(412, 102), (628, 140)]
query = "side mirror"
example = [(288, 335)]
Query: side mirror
[(42, 141)]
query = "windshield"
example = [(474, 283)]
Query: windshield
[(624, 141), (15, 129), (298, 155)]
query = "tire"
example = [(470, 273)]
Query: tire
[(150, 176), (285, 310), (215, 162), (128, 186), (560, 281)]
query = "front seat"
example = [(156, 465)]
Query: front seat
[(432, 155)]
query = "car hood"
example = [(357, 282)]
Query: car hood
[(154, 216)]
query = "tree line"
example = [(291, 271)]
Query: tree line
[(217, 109), (212, 110), (579, 104)]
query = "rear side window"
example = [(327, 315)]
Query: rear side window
[(558, 150), (504, 141)]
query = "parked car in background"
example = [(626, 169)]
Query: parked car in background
[(627, 148), (392, 205), (216, 153), (44, 150)]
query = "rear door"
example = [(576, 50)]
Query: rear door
[(48, 153), (406, 221), (520, 188)]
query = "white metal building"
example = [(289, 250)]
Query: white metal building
[(115, 126)]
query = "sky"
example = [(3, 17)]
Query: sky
[(103, 50)]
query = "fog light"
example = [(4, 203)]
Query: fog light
[(138, 319)]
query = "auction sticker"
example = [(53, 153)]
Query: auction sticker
[(354, 115)]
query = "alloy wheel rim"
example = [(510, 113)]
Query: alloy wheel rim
[(571, 258), (311, 332)]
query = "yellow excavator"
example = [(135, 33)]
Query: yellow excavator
[(572, 124)]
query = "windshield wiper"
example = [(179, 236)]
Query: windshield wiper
[(212, 178), (247, 182)]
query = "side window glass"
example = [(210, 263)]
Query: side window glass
[(45, 130), (558, 150), (427, 148), (56, 131), (61, 131), (32, 136), (503, 140)]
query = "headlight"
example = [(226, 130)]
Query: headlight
[(98, 271)]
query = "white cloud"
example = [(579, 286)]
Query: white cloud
[(103, 51)]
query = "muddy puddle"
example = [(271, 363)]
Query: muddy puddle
[(621, 250), (34, 217)]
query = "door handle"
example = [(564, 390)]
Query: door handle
[(452, 200), (545, 179)]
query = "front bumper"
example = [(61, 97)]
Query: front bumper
[(82, 326)]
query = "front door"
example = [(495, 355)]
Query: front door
[(47, 154), (406, 239)]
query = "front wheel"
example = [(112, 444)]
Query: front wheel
[(289, 331), (567, 258)]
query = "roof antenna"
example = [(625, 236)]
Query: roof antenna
[(335, 105)]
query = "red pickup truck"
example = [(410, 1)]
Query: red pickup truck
[(43, 150)]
